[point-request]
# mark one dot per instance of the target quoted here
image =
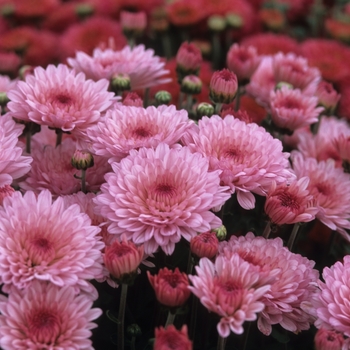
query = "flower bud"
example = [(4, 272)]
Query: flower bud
[(84, 10), (273, 19), (132, 99), (134, 330), (162, 97), (82, 160), (24, 71), (188, 60), (221, 232), (133, 23), (223, 86), (216, 23), (3, 99), (234, 20), (205, 245), (327, 97), (191, 84), (205, 109), (171, 338), (328, 340), (120, 82)]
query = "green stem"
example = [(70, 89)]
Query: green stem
[(221, 343), (267, 230), (170, 319), (121, 315), (218, 108), (83, 181), (181, 98), (293, 236), (189, 102), (246, 336), (166, 43), (216, 51), (132, 345), (240, 92), (58, 137), (193, 323), (146, 98)]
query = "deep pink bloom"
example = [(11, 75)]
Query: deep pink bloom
[(243, 61), (122, 258), (189, 58), (292, 69), (292, 278), (59, 98), (156, 196), (229, 288), (328, 340), (205, 245), (52, 169), (290, 204), (133, 22), (327, 96), (223, 86), (125, 128), (142, 66), (332, 306), (171, 338), (45, 316), (132, 99), (330, 187), (12, 164), (291, 109), (41, 240), (171, 287), (322, 146), (249, 157)]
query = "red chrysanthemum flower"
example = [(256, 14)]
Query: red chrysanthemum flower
[(171, 338)]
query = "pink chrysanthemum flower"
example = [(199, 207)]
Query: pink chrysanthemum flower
[(126, 128), (327, 96), (41, 240), (205, 245), (322, 146), (243, 61), (12, 164), (291, 109), (171, 338), (52, 169), (332, 305), (249, 157), (328, 340), (293, 69), (142, 66), (330, 187), (293, 280), (60, 98), (290, 204), (156, 196), (230, 289), (46, 316)]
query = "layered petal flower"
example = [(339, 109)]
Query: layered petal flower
[(171, 338), (156, 196)]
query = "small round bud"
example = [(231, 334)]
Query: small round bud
[(223, 86), (120, 82), (216, 23), (205, 109), (3, 99), (205, 245), (191, 84), (25, 71), (82, 160), (221, 232), (84, 10), (8, 10), (162, 97), (134, 330), (281, 84), (234, 21)]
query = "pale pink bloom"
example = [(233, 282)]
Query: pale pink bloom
[(41, 240), (330, 187), (262, 82), (205, 245), (332, 305), (327, 96), (45, 316), (293, 280), (52, 169), (293, 69), (322, 146), (189, 58), (12, 164), (59, 98), (229, 288), (223, 86), (249, 157), (171, 338), (243, 61), (328, 340), (156, 196), (291, 109), (126, 128), (290, 204), (6, 83), (171, 287), (142, 66)]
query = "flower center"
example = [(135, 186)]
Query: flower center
[(44, 326), (172, 279), (63, 99), (290, 103), (122, 250), (40, 249), (165, 190), (141, 132), (288, 201)]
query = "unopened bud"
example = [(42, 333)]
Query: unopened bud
[(3, 99), (234, 20), (82, 160), (162, 97), (134, 330), (191, 84), (84, 10), (221, 232), (25, 71), (205, 245), (120, 82), (205, 109), (216, 23)]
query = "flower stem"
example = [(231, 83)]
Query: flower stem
[(170, 319), (121, 315), (58, 137), (293, 236), (181, 98), (221, 343), (218, 108), (240, 92), (83, 181), (267, 230), (146, 98), (189, 103)]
